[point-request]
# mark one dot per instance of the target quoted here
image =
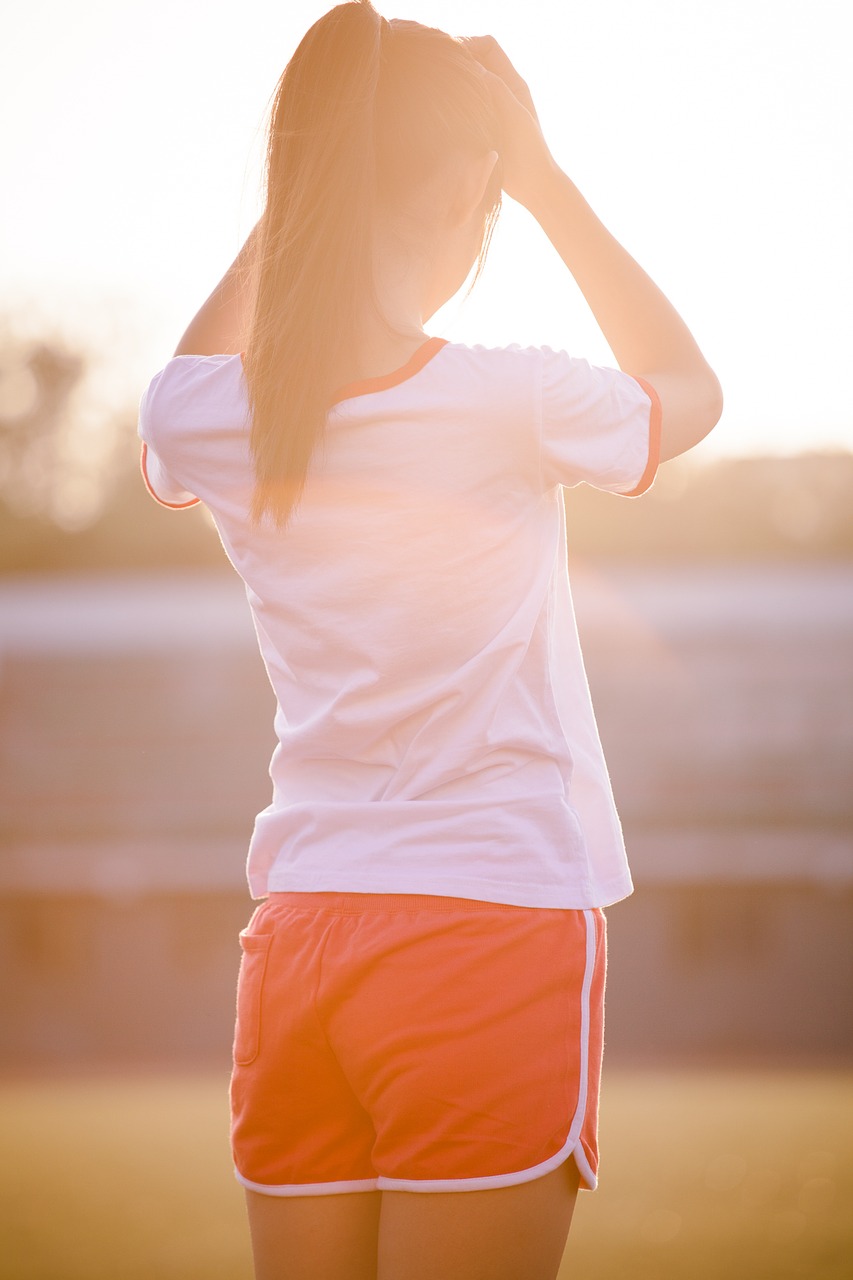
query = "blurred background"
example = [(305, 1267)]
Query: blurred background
[(716, 616)]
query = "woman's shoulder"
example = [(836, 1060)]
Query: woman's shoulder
[(189, 371), (553, 372), (512, 355), (496, 367), (192, 393), (190, 378), (514, 364)]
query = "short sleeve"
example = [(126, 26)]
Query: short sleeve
[(598, 425), (162, 486)]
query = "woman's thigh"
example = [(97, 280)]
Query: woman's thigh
[(512, 1233), (314, 1237)]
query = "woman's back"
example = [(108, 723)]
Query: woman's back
[(411, 614)]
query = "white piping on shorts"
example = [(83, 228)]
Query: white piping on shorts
[(308, 1188), (571, 1147)]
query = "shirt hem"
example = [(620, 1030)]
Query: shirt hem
[(561, 897)]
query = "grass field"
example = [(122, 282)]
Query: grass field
[(742, 1175)]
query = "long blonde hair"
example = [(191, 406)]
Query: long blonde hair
[(364, 111)]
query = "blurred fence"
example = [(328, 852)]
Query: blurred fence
[(135, 733)]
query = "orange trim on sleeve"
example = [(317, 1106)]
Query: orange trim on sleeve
[(173, 506), (653, 463)]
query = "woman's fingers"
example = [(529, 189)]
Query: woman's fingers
[(506, 100), (525, 158), (490, 55)]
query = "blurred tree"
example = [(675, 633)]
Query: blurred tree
[(56, 447)]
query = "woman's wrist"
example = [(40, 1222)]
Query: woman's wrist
[(551, 194)]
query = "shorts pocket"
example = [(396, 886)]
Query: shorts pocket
[(250, 985)]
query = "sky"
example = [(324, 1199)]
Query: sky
[(713, 137)]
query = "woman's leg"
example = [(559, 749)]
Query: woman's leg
[(314, 1237), (513, 1233)]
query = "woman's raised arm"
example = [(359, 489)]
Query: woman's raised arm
[(645, 332), (221, 325)]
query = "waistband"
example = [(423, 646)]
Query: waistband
[(357, 903)]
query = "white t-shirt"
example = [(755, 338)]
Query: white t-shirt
[(435, 731)]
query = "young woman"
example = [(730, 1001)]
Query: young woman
[(420, 1002)]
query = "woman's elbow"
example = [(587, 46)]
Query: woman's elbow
[(691, 408), (713, 407), (707, 408)]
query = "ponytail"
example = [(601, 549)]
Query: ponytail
[(314, 246), (315, 239)]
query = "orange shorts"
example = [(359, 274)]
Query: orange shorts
[(411, 1043)]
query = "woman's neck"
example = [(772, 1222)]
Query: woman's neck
[(412, 280)]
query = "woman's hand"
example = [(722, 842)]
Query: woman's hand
[(525, 157)]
